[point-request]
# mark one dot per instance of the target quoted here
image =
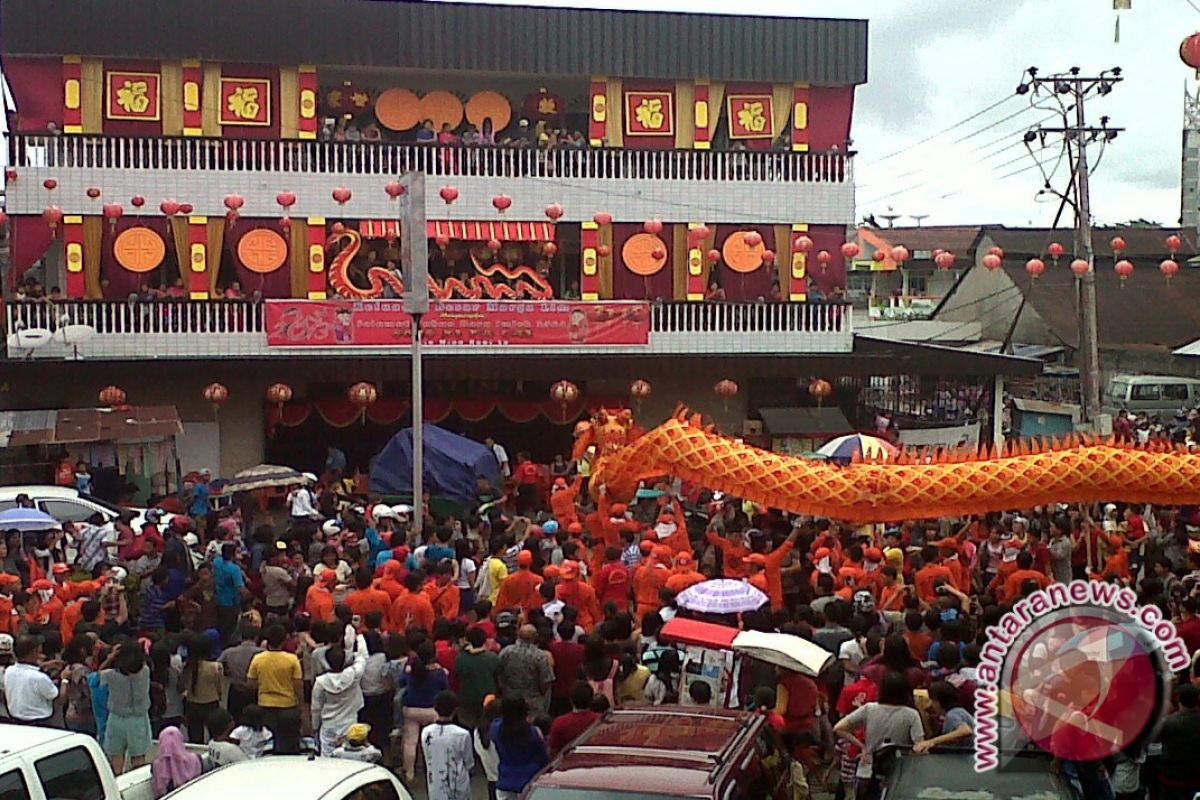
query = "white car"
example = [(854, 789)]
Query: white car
[(296, 778), (52, 763), (67, 504)]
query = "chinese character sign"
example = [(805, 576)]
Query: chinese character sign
[(649, 114), (750, 116), (132, 95), (245, 101)]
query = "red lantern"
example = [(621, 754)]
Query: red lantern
[(820, 389), (169, 207), (653, 225), (564, 392), (215, 394), (234, 202), (998, 252), (111, 396), (53, 215), (944, 260), (1035, 267), (1118, 244), (640, 389), (550, 249), (824, 257), (1123, 268), (185, 208), (502, 202), (802, 244), (604, 251), (286, 199), (92, 192), (554, 211), (394, 189), (338, 228), (1168, 268), (279, 393), (992, 261), (137, 201), (1173, 244), (10, 174), (113, 212), (3, 219), (1055, 250), (602, 218), (768, 257), (698, 234), (1189, 51), (363, 394), (878, 256), (658, 253), (752, 238), (342, 195), (850, 250), (442, 240), (448, 194), (725, 389), (50, 183), (899, 254), (713, 256), (494, 245), (1080, 267)]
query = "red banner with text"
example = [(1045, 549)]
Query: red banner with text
[(382, 323)]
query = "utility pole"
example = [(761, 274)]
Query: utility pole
[(1067, 92)]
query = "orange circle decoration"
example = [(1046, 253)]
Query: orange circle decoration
[(398, 109), (644, 254), (489, 105), (742, 257), (139, 249), (443, 107), (262, 250)]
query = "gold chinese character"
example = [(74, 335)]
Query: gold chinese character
[(547, 106), (360, 99), (752, 118), (649, 114), (134, 97), (243, 103), (334, 98)]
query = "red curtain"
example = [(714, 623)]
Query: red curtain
[(275, 285), (30, 238), (629, 286), (747, 285), (37, 86), (829, 111)]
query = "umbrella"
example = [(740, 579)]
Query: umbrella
[(27, 519), (264, 476), (721, 596), (783, 650), (843, 448)]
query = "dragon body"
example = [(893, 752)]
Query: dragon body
[(914, 485), (527, 282)]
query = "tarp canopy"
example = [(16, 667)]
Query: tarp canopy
[(452, 465)]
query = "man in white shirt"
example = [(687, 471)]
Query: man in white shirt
[(448, 752), (29, 692), (501, 456)]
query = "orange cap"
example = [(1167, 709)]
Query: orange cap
[(757, 558), (575, 527), (525, 558), (550, 572), (560, 483), (41, 585), (618, 509), (873, 554), (570, 570), (661, 552), (683, 559), (1116, 541), (822, 552), (6, 578), (329, 577), (646, 545), (60, 569)]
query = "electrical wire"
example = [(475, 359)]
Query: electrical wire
[(943, 131)]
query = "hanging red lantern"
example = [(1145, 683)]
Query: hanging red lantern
[(342, 195), (992, 261), (185, 208), (653, 225), (640, 389), (338, 228), (442, 240), (113, 212), (51, 184), (602, 218), (279, 393), (1174, 242), (698, 234), (604, 251), (494, 245), (215, 394), (824, 258), (725, 389), (550, 249), (713, 256), (169, 207), (286, 199), (554, 211), (92, 192), (1055, 250), (944, 260), (820, 389), (1123, 268), (768, 257), (234, 202), (752, 238), (363, 394), (1080, 267), (3, 218), (10, 174), (394, 189), (1168, 268), (137, 201), (802, 244), (285, 224), (998, 252), (1035, 267), (900, 254), (658, 253), (1118, 244), (502, 202), (850, 250), (53, 215), (1189, 51), (878, 256), (112, 396), (448, 194), (565, 393)]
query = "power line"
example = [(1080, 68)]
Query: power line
[(945, 130)]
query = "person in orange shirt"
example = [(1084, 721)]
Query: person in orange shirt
[(411, 609), (443, 593), (672, 535), (949, 556), (612, 580), (733, 552), (318, 600), (562, 500), (520, 588), (928, 576), (774, 567), (684, 575), (1024, 572), (392, 581), (1117, 564), (1008, 564), (649, 579), (84, 609), (892, 591), (756, 565), (873, 571), (367, 598), (43, 606), (578, 595)]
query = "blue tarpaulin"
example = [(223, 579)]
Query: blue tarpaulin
[(452, 465)]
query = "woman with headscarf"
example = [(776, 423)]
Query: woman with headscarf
[(174, 765)]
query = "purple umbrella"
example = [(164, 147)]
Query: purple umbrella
[(721, 596)]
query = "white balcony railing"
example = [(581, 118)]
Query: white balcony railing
[(180, 329), (378, 158)]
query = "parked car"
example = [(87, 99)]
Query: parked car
[(668, 752), (949, 773), (49, 763), (295, 778), (67, 504), (1156, 395)]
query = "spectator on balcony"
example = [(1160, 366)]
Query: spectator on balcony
[(372, 133), (572, 292), (776, 292), (715, 292), (471, 136), (353, 134), (176, 291), (234, 292), (426, 134)]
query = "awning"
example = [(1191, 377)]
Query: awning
[(379, 228), (483, 231), (77, 425)]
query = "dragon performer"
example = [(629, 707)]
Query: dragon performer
[(528, 283), (912, 485)]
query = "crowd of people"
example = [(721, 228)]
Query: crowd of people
[(487, 643)]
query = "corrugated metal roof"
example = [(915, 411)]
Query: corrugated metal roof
[(74, 425), (444, 37)]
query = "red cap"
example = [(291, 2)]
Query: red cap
[(329, 577), (41, 585), (661, 552), (525, 558), (560, 483), (683, 559), (646, 545), (570, 570), (61, 569), (618, 509), (550, 572), (757, 558), (822, 552), (575, 527), (873, 554)]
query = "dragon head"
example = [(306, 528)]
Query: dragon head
[(608, 431)]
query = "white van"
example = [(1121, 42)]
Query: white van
[(48, 763), (67, 504), (1156, 395)]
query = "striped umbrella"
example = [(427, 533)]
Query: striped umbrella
[(27, 519), (843, 448), (721, 596), (264, 476)]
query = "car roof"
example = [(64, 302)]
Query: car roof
[(15, 738), (1126, 378), (674, 750), (291, 777), (40, 492), (951, 771)]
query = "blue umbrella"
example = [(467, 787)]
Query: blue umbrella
[(27, 519), (843, 448)]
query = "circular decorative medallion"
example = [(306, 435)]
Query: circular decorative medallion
[(139, 249), (398, 109), (262, 250), (644, 254), (742, 257), (489, 105)]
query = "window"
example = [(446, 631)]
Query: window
[(12, 786), (918, 284), (70, 775), (67, 510), (379, 790), (1118, 391), (1147, 391), (1175, 391)]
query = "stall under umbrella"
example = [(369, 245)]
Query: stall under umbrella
[(721, 596), (264, 476)]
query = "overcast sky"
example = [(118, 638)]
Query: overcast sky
[(934, 62)]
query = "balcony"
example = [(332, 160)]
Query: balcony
[(168, 329), (736, 186)]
